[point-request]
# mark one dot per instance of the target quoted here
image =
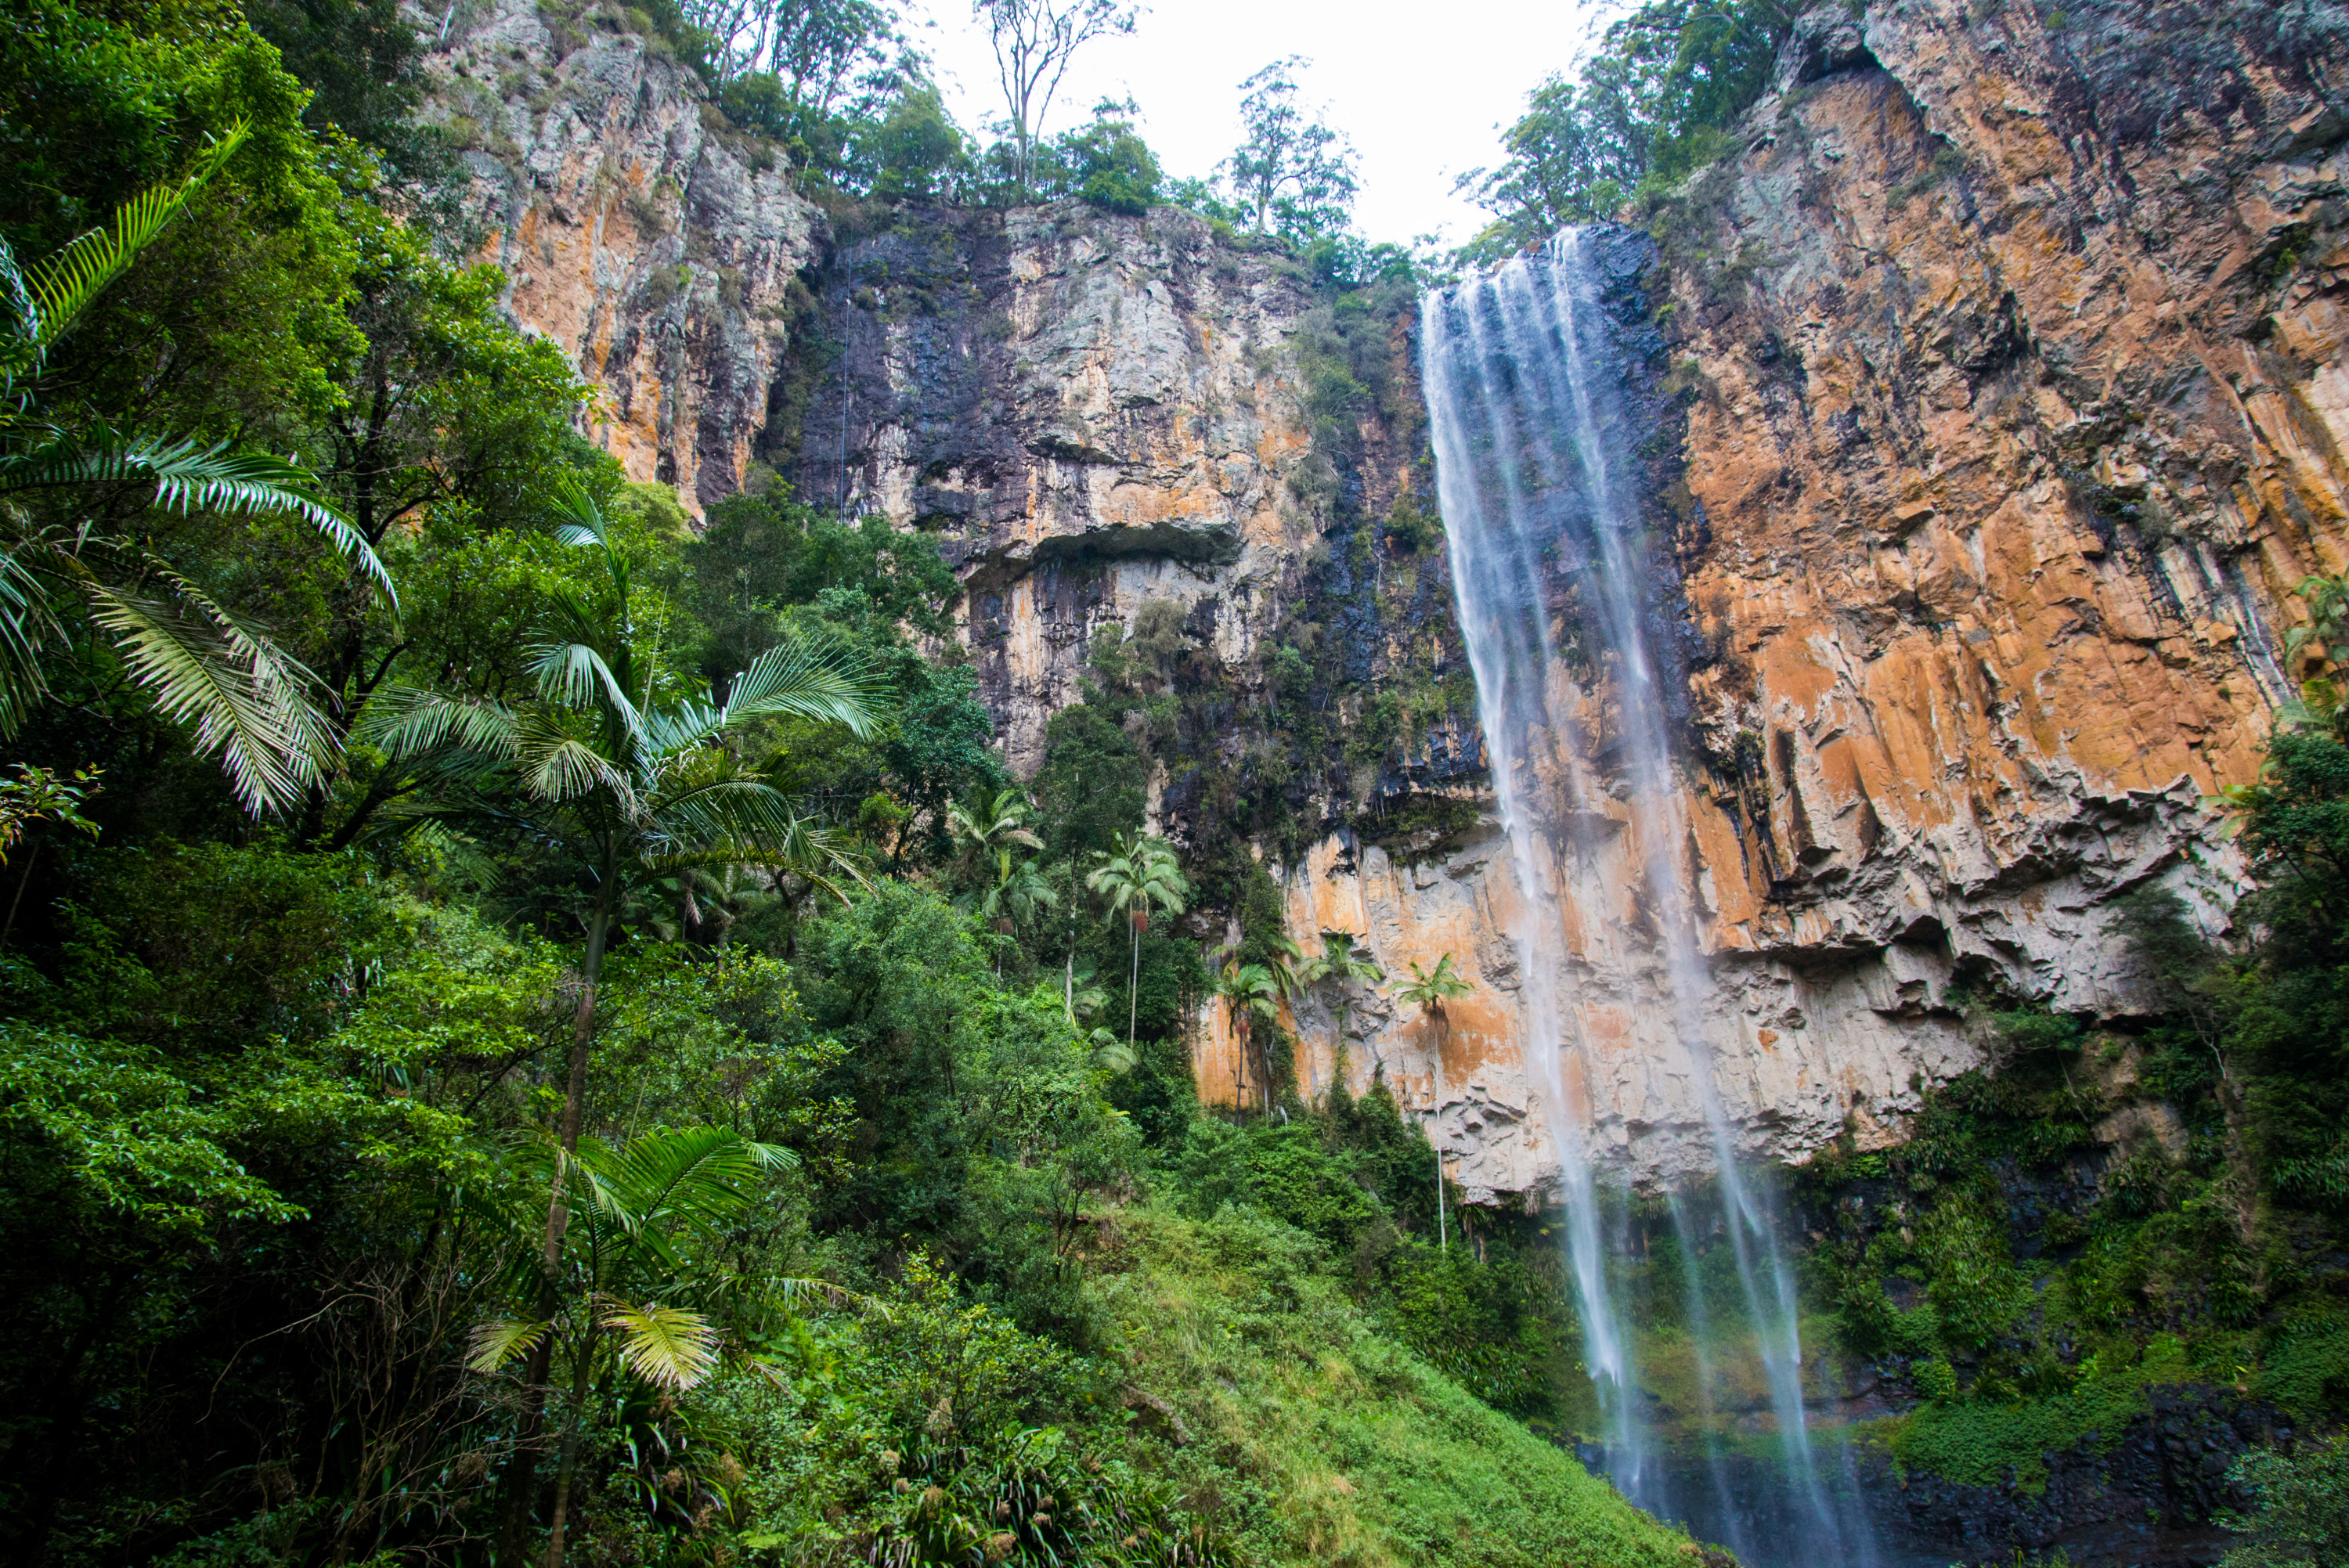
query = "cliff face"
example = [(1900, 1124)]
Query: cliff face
[(2014, 362), (659, 248), (2000, 398), (1090, 411)]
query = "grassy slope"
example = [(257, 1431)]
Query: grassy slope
[(1317, 1440)]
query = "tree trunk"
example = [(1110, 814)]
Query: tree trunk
[(567, 1465), (1133, 985), (524, 1483), (1435, 1136), (32, 853), (1338, 1048)]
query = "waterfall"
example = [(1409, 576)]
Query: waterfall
[(1477, 341), (1564, 620), (1732, 1531)]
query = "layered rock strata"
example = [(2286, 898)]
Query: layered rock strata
[(662, 249), (2013, 363), (2001, 400), (1090, 411)]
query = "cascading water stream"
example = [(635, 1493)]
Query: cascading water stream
[(1700, 1322), (1555, 587), (1502, 597)]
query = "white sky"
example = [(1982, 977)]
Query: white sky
[(1419, 90)]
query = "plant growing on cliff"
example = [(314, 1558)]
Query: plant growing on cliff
[(1141, 874), (1343, 967), (1250, 994), (2300, 1512), (1034, 40), (1293, 171), (1651, 105), (1429, 990)]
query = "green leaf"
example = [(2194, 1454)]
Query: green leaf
[(503, 1340), (668, 1346), (248, 700)]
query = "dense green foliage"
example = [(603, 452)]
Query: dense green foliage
[(653, 1090), (2301, 1512), (1656, 100), (2114, 1207)]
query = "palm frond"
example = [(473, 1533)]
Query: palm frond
[(734, 828), (187, 477), (731, 813), (697, 1174), (248, 700), (668, 1346), (677, 726), (63, 286), (26, 625), (501, 1340), (406, 721), (20, 343), (580, 521), (558, 765), (577, 675), (803, 678), (790, 1290)]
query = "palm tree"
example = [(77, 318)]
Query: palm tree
[(1290, 970), (1431, 989), (1083, 995), (200, 662), (1017, 894), (1292, 974), (1142, 872), (989, 832), (1251, 993), (984, 839), (1303, 974), (611, 766), (1345, 964), (614, 1313)]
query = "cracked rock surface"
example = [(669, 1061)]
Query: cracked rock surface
[(1999, 393)]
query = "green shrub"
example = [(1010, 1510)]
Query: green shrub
[(2300, 1511), (1977, 1443)]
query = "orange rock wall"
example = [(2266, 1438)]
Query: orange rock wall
[(2010, 424), (657, 249)]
